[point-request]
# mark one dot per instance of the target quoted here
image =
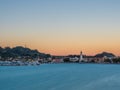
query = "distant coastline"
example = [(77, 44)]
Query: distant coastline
[(21, 56)]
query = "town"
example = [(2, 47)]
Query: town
[(20, 56)]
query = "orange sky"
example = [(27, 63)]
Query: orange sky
[(61, 27), (66, 48)]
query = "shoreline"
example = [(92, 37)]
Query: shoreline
[(8, 63)]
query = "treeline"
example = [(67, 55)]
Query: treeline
[(20, 51)]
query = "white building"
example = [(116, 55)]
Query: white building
[(81, 57), (75, 59)]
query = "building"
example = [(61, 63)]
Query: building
[(81, 57)]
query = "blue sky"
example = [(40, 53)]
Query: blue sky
[(45, 24)]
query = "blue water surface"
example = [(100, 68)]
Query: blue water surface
[(61, 77)]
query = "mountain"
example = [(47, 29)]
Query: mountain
[(21, 51), (103, 54)]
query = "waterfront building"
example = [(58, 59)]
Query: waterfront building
[(74, 59)]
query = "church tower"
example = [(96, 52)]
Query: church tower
[(81, 57)]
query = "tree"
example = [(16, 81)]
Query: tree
[(66, 60)]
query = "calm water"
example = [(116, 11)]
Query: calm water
[(60, 77)]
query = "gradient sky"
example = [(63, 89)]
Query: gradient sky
[(61, 27)]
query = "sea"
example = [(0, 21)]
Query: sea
[(65, 76)]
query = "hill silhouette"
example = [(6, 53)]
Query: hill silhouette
[(103, 54), (20, 51)]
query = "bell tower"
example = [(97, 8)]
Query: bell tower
[(81, 57)]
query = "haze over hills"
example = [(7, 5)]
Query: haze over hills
[(24, 51)]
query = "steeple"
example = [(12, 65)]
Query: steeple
[(81, 57)]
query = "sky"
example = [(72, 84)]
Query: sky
[(61, 27)]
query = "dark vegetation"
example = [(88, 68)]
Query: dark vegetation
[(20, 51)]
